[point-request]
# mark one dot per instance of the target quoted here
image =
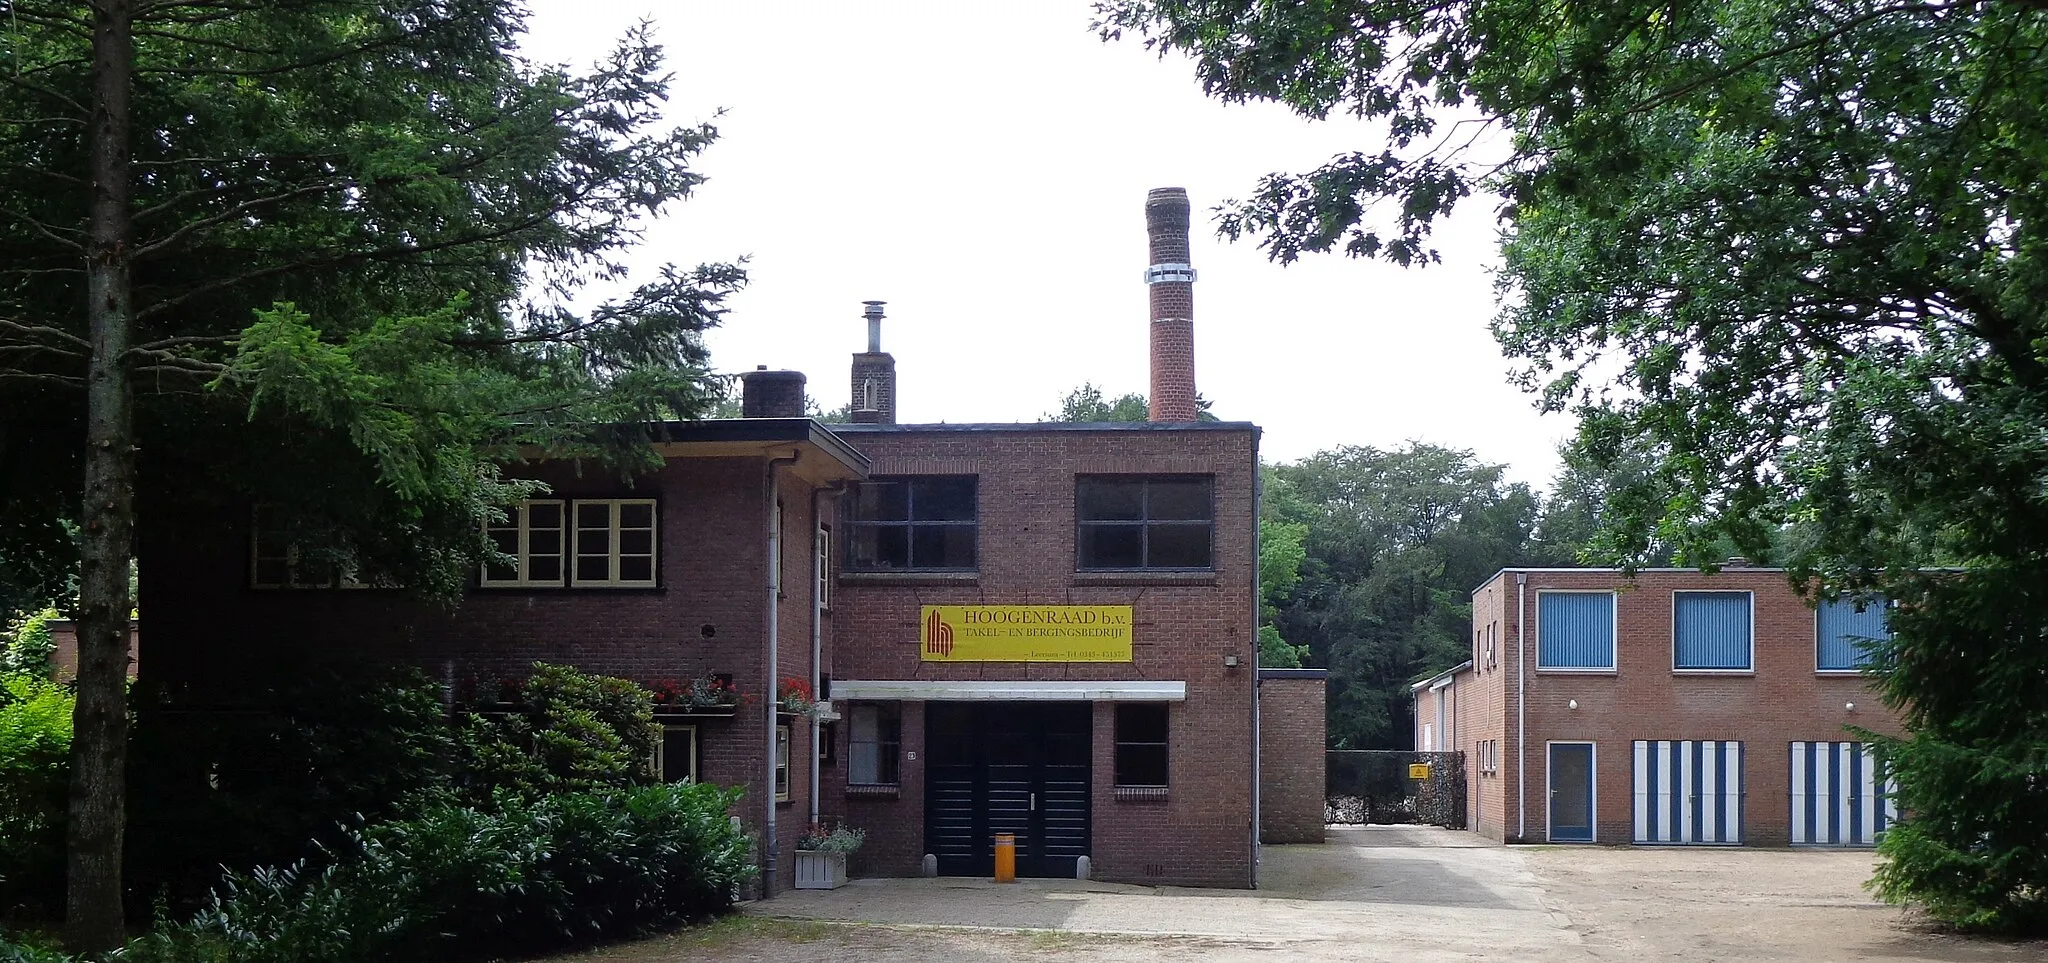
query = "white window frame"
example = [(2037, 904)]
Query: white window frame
[(1550, 788), (782, 746), (824, 563), (1818, 669), (521, 519), (290, 561), (1614, 634), (576, 555), (659, 760), (1676, 669)]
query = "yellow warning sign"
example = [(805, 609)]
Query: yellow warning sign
[(1418, 770), (1025, 633)]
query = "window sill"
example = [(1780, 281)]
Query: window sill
[(875, 792), (1735, 672), (1565, 670), (1141, 794), (909, 578), (1141, 577), (1840, 673)]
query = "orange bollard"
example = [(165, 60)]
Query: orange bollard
[(1006, 857)]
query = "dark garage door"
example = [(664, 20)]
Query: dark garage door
[(1007, 767)]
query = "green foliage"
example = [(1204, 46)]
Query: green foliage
[(26, 646), (467, 883), (1281, 553), (1395, 542), (1088, 404), (35, 768), (574, 732), (1785, 261)]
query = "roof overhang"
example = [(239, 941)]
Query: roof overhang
[(1441, 679), (918, 690), (823, 457)]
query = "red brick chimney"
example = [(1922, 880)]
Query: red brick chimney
[(1172, 281), (874, 374)]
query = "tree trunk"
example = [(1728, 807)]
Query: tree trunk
[(99, 745)]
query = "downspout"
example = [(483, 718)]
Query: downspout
[(771, 842), (1522, 706), (1258, 747)]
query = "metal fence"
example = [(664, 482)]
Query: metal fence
[(1385, 786)]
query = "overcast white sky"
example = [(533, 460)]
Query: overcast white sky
[(983, 168)]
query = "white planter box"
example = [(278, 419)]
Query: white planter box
[(816, 870)]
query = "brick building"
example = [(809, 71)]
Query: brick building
[(1041, 629), (1673, 707)]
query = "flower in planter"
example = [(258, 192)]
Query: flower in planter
[(794, 696), (841, 839)]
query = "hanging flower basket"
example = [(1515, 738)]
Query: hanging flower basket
[(712, 697), (795, 698)]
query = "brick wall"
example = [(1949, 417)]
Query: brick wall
[(1783, 700), (64, 657), (1185, 627), (1291, 744)]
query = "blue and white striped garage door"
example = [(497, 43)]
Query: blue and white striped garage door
[(1688, 792), (1837, 797)]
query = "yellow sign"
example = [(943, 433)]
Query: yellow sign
[(1024, 633), (1418, 770)]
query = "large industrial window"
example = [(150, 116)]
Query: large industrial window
[(1141, 744), (1710, 631), (873, 743), (1161, 522), (917, 524), (1575, 630), (1842, 629)]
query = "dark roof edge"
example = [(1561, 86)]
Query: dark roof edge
[(796, 430), (1464, 666), (1615, 570), (1055, 426), (1294, 673)]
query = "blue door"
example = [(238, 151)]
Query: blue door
[(1571, 792)]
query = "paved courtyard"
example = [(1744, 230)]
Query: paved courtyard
[(1378, 893)]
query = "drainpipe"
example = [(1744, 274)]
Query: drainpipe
[(1258, 748), (1522, 706), (771, 842)]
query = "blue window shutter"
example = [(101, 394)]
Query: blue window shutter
[(1841, 631), (1710, 630), (1575, 630)]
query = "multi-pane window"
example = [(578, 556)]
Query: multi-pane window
[(583, 543), (1141, 744), (1139, 522), (918, 524), (276, 560), (1710, 631), (614, 543), (531, 539), (1843, 628), (782, 763), (824, 586), (1575, 630), (675, 754), (873, 743)]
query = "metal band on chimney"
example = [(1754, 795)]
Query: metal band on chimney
[(1170, 274)]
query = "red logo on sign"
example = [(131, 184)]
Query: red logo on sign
[(938, 636)]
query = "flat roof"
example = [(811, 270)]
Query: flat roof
[(1617, 570), (1021, 426), (731, 431)]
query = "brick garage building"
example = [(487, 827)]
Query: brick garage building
[(1047, 630), (1673, 707)]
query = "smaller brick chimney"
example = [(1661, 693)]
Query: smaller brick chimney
[(771, 394), (874, 374)]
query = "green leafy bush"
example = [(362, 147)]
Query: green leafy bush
[(35, 748), (574, 732), (462, 882), (26, 646)]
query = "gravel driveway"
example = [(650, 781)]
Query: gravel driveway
[(1392, 893)]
